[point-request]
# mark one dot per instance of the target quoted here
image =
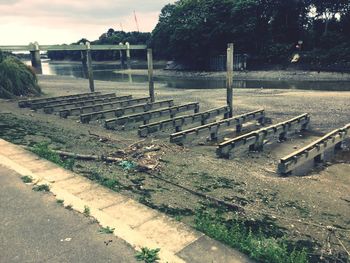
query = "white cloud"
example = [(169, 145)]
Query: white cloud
[(66, 21)]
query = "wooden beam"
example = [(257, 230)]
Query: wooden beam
[(211, 130), (27, 103), (86, 118), (313, 151), (100, 107), (51, 108), (40, 105), (179, 122), (131, 120), (255, 140)]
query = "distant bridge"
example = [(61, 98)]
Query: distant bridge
[(85, 49), (35, 47)]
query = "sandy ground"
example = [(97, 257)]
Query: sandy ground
[(300, 206)]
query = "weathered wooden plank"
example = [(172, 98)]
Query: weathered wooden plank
[(100, 107), (255, 140), (178, 122), (131, 120), (81, 103), (212, 129), (86, 118), (27, 103), (40, 105), (313, 151)]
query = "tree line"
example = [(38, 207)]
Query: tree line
[(111, 37), (269, 31)]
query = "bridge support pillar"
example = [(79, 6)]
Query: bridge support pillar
[(122, 58), (35, 58)]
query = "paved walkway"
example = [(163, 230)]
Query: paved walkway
[(134, 223), (34, 228)]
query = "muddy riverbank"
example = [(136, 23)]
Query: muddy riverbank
[(301, 207), (287, 75)]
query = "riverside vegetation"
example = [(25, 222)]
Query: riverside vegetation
[(16, 79)]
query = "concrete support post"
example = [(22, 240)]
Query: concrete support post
[(128, 58), (122, 59), (229, 80), (35, 58), (150, 73), (89, 67)]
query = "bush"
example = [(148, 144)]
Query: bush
[(16, 78)]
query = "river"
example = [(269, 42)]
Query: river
[(109, 72)]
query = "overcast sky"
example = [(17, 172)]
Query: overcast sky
[(66, 21)]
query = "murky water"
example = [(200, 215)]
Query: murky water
[(107, 72)]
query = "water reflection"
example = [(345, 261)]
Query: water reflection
[(107, 72)]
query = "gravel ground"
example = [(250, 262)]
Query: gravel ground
[(320, 198)]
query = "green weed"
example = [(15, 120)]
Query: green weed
[(127, 165), (41, 188), (148, 255), (60, 201), (42, 150), (256, 245), (106, 230), (27, 179), (86, 211)]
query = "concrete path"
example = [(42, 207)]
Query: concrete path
[(134, 223), (34, 228)]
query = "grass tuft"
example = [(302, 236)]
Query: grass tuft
[(60, 201), (27, 179), (256, 245), (86, 211), (106, 230), (41, 188), (148, 255), (42, 150)]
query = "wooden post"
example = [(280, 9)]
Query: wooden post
[(84, 62), (229, 79), (35, 58), (150, 73), (121, 53), (128, 60), (89, 67)]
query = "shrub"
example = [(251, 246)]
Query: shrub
[(16, 78)]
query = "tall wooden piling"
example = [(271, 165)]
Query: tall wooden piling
[(229, 80), (128, 58), (89, 67), (35, 58), (150, 73), (84, 61)]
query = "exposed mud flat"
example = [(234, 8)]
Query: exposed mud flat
[(322, 198)]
